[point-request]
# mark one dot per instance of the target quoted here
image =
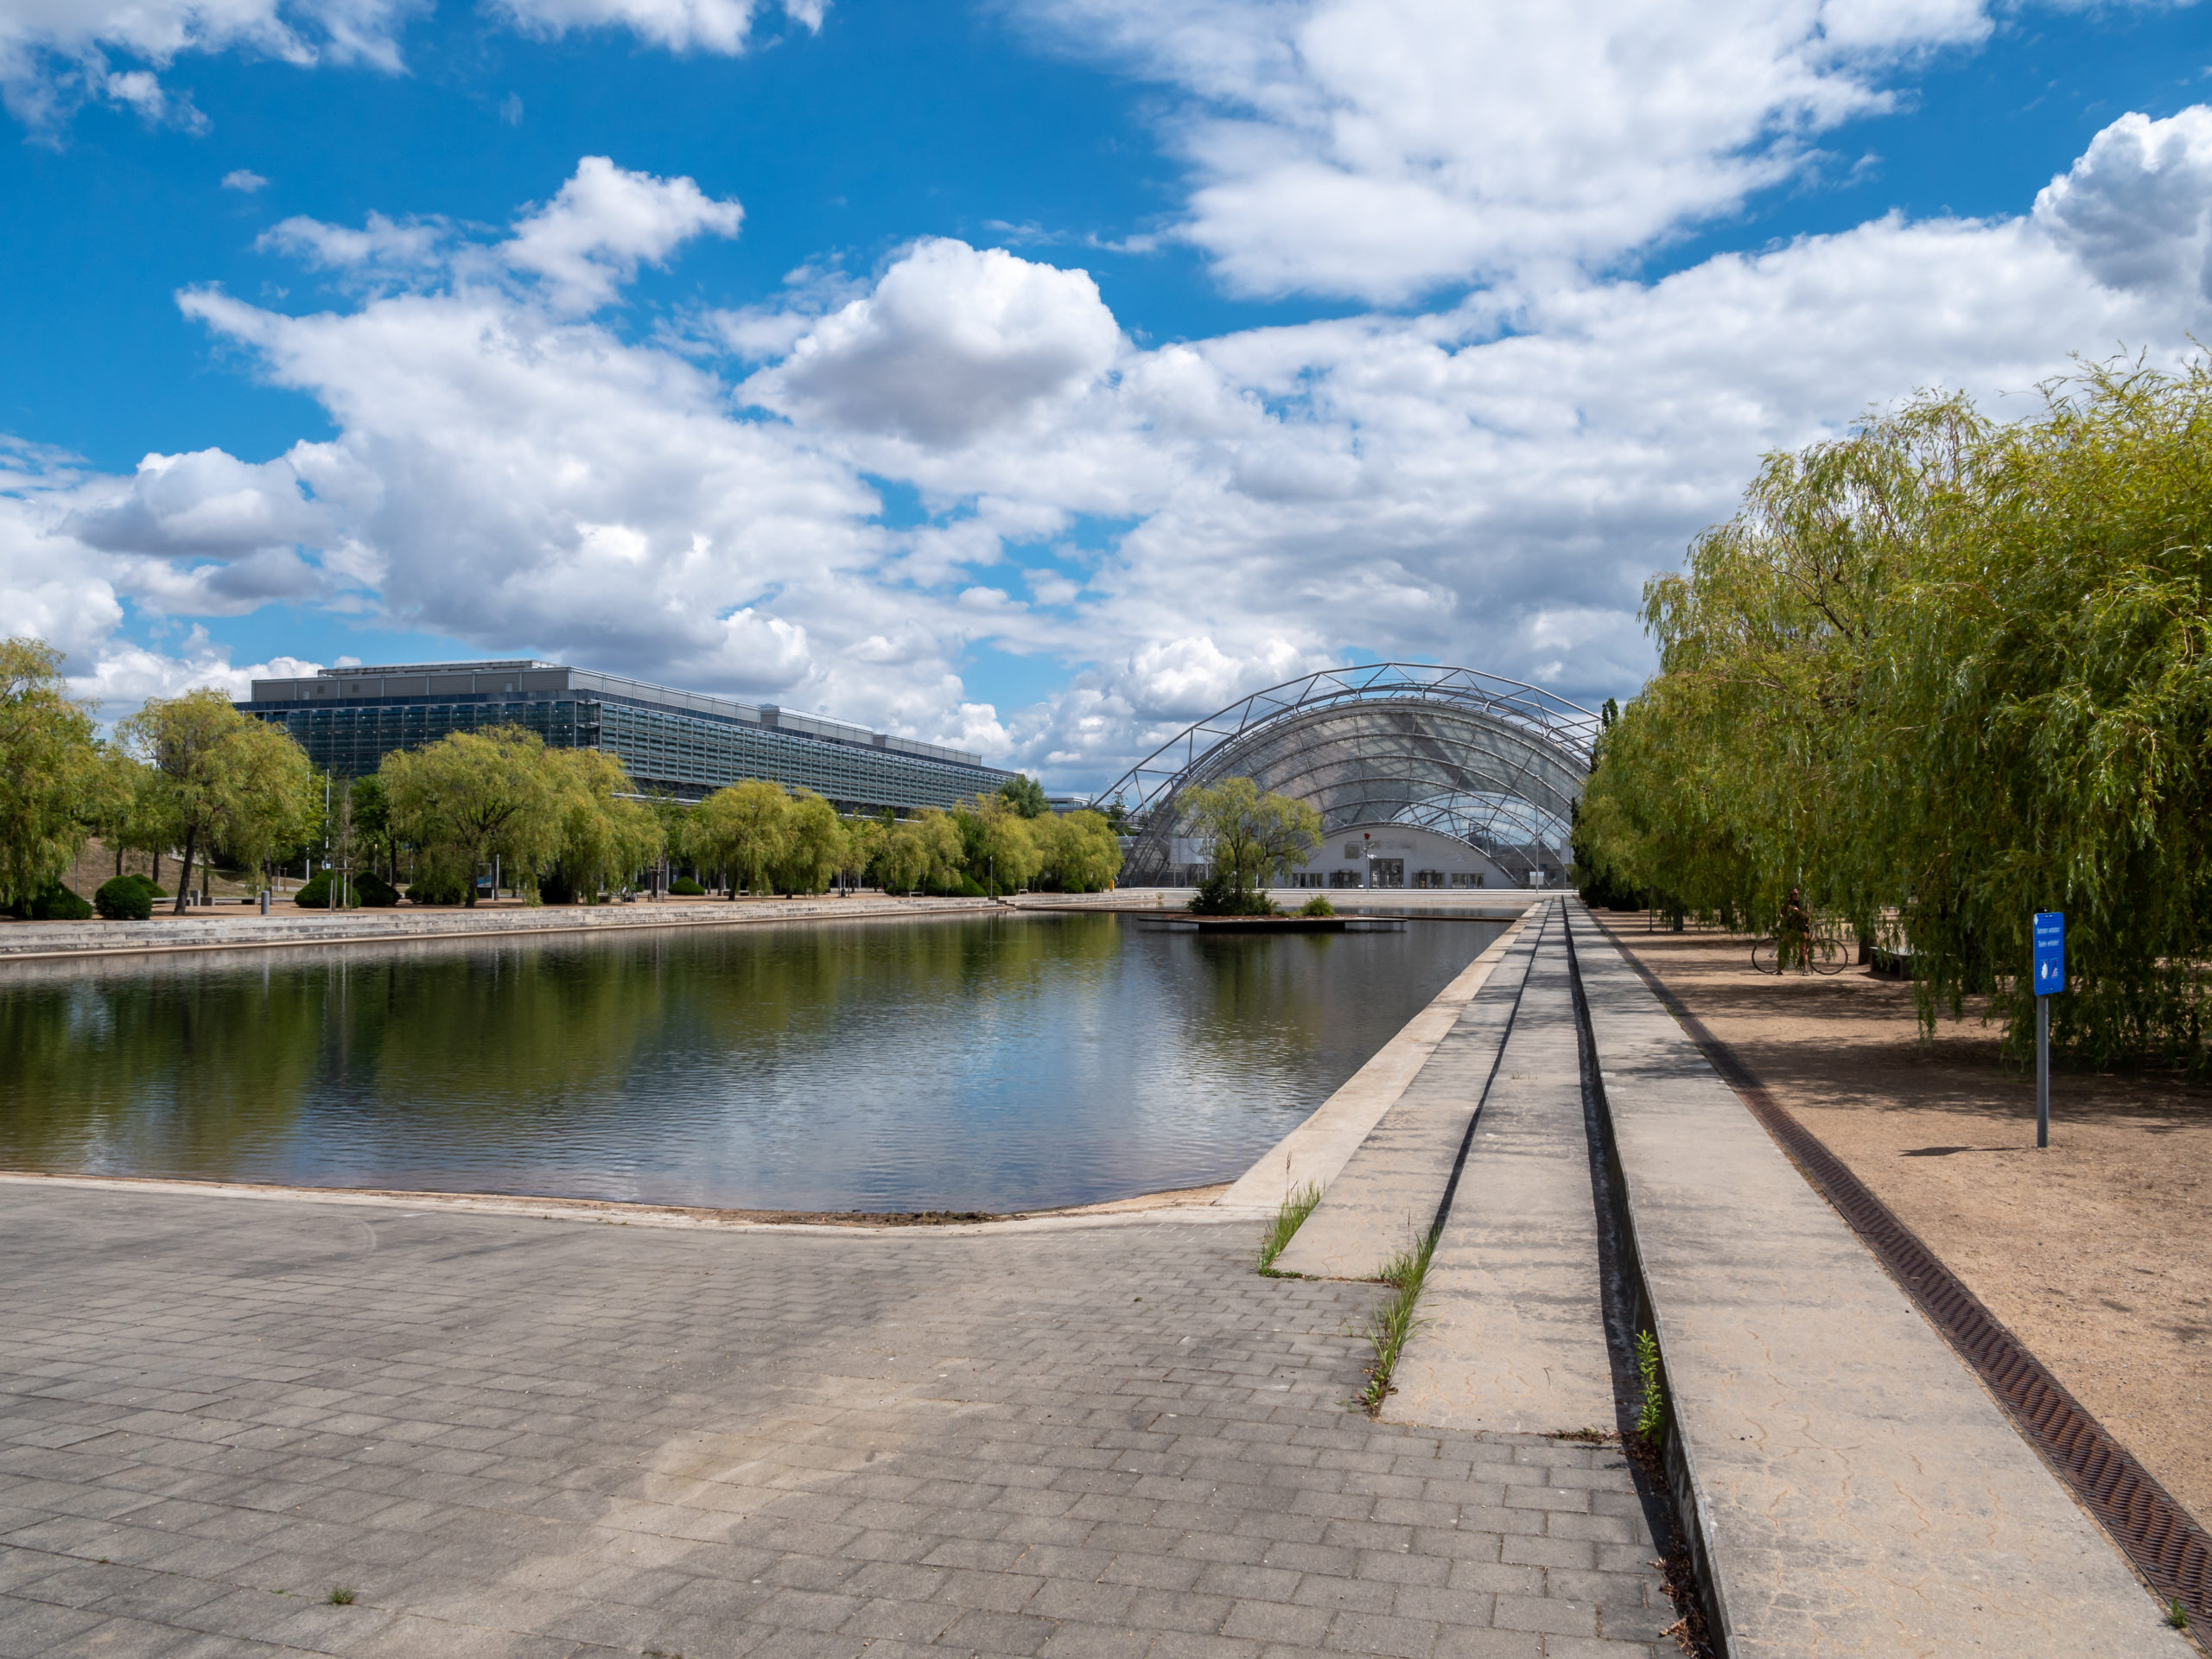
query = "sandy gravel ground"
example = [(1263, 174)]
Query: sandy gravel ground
[(2097, 1252)]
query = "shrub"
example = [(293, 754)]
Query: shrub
[(372, 890), (684, 887), (316, 894), (154, 889), (1218, 896), (961, 885), (432, 887), (1317, 905), (56, 904), (125, 898)]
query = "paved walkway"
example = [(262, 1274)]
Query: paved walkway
[(1859, 1492), (514, 1436), (1512, 1336), (1395, 1130)]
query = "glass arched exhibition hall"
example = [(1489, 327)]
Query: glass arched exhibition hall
[(1487, 760)]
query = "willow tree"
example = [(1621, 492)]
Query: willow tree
[(219, 779), (1955, 671), (743, 829), (601, 835), (471, 796), (1253, 834), (814, 845), (1735, 777), (1078, 850), (998, 835), (926, 848), (49, 771), (2047, 714)]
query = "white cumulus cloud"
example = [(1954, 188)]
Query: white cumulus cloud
[(1380, 147), (952, 343), (2137, 207), (1175, 526), (720, 26)]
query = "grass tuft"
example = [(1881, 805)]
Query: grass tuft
[(1296, 1207), (1651, 1415), (341, 1597), (2177, 1615), (1388, 1326)]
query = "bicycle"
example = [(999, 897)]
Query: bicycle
[(1818, 955)]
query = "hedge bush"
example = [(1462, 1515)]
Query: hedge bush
[(684, 887), (316, 894), (124, 899), (428, 888), (56, 904)]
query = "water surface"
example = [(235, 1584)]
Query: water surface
[(987, 1063)]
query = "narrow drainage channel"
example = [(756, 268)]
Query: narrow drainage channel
[(1662, 1477)]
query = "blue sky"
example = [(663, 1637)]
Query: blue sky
[(1078, 365)]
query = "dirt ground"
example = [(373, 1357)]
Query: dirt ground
[(2096, 1252), (96, 863)]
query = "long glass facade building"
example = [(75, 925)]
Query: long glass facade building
[(681, 743)]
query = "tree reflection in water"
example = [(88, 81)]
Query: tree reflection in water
[(985, 1062)]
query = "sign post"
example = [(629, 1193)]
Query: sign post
[(2050, 981)]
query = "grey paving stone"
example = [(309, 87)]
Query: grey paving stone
[(518, 1438)]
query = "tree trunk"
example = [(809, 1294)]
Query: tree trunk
[(184, 876)]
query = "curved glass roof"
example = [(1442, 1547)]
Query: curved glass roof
[(1495, 762)]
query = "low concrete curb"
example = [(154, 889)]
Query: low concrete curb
[(1854, 1489), (1394, 1186), (1318, 1148), (53, 941)]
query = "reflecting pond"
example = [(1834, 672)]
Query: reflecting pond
[(986, 1063)]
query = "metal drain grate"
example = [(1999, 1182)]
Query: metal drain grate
[(2167, 1547)]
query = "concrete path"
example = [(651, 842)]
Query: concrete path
[(520, 1437), (1858, 1491), (1339, 1146), (1513, 1335), (1391, 1189)]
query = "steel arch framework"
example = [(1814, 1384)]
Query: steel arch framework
[(1492, 761)]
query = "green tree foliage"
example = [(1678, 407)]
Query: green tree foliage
[(1252, 833), (999, 844), (1954, 671), (218, 778), (814, 847), (742, 830), (600, 839), (369, 799), (50, 772), (1025, 795), (474, 795), (1077, 851), (924, 851)]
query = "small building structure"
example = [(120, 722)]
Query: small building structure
[(1394, 855)]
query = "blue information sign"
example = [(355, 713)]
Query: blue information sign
[(2051, 952)]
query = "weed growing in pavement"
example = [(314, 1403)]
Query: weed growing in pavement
[(1388, 1326), (1288, 1219), (341, 1597), (1651, 1415), (2177, 1615)]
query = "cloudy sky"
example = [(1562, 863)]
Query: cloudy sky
[(1036, 375)]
